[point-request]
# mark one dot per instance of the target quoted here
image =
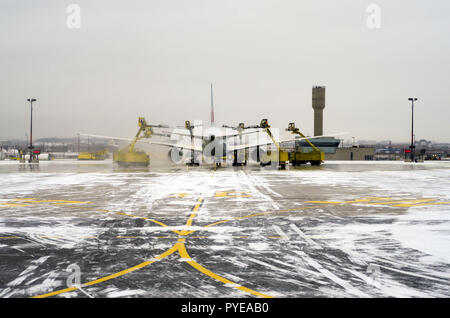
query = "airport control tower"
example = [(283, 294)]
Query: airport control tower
[(318, 104)]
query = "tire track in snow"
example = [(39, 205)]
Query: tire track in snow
[(26, 273)]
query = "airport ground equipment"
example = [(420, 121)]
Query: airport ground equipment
[(296, 157), (97, 155), (283, 158), (268, 157), (240, 157), (190, 128), (19, 156), (128, 156)]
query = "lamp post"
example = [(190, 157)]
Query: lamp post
[(412, 99), (31, 100)]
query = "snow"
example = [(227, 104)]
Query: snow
[(326, 249)]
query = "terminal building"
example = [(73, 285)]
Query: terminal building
[(352, 153)]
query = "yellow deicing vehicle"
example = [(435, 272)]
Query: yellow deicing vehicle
[(128, 156), (296, 157), (283, 158), (98, 155)]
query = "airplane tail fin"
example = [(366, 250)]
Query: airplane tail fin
[(212, 106)]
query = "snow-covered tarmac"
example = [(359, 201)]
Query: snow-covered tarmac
[(345, 229)]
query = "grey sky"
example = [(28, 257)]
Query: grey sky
[(157, 58)]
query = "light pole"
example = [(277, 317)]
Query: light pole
[(31, 100), (412, 99), (24, 149)]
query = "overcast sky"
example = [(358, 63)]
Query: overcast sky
[(157, 59)]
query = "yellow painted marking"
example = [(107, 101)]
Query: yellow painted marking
[(250, 216), (369, 199), (213, 224), (131, 269), (122, 213), (52, 201), (30, 201), (115, 275), (183, 253), (144, 237), (14, 204), (61, 291), (10, 237), (180, 247), (402, 202), (232, 194), (385, 201), (82, 208), (179, 195), (422, 204), (140, 217), (192, 216), (258, 214), (325, 202), (71, 202)]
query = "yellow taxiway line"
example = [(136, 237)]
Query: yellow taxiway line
[(180, 246), (115, 275), (184, 254)]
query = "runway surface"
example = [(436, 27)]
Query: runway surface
[(345, 229)]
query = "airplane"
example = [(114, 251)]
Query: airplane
[(212, 144)]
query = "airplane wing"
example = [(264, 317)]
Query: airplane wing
[(240, 134), (176, 144), (186, 134), (105, 137), (269, 141)]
